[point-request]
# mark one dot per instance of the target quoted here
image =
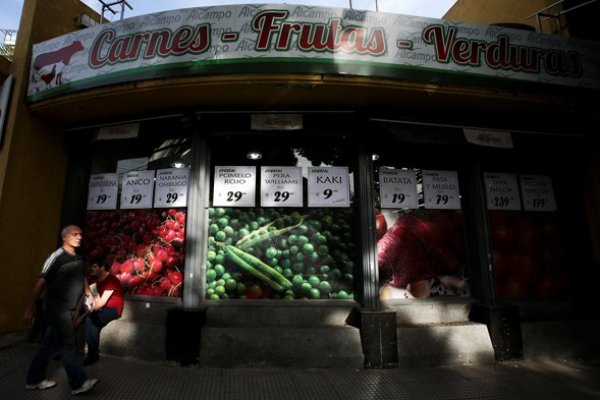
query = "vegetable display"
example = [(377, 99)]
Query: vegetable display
[(422, 254), (526, 255), (144, 248), (273, 253)]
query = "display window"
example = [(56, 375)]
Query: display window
[(135, 219), (282, 223), (419, 220), (530, 205)]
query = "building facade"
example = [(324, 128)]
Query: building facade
[(291, 185)]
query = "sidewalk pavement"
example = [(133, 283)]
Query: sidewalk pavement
[(123, 378)]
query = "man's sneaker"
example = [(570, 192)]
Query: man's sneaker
[(87, 385), (45, 384)]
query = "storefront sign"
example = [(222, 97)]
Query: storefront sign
[(170, 188), (276, 122), (502, 191), (128, 131), (102, 192), (537, 192), (440, 189), (398, 188), (489, 138), (281, 187), (304, 39), (5, 92), (136, 189), (328, 187), (234, 186)]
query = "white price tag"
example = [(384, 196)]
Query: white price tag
[(502, 191), (234, 186), (440, 189), (328, 187), (398, 188), (136, 189), (281, 186), (102, 192), (537, 192), (170, 188)]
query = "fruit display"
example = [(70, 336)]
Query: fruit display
[(280, 253), (422, 254), (526, 254), (144, 248)]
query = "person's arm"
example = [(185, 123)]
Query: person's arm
[(100, 301), (36, 292)]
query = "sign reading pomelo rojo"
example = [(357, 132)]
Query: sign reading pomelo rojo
[(441, 190), (137, 188), (502, 191), (281, 187), (398, 188), (102, 192), (537, 192), (170, 188), (234, 186), (304, 39), (328, 187)]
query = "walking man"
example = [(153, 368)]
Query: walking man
[(63, 280)]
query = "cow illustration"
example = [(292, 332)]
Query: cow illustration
[(58, 59)]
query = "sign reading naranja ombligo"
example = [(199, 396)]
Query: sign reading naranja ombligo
[(304, 39)]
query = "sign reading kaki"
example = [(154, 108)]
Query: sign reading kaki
[(259, 38)]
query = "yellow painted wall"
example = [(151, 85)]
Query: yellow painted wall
[(488, 12), (32, 167)]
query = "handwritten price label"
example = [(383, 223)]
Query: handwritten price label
[(234, 186), (538, 194), (398, 188), (440, 190), (502, 191), (171, 187), (137, 188), (281, 187), (328, 187), (102, 192)]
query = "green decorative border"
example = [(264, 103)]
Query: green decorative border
[(297, 65)]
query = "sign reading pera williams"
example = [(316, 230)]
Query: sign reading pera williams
[(243, 38)]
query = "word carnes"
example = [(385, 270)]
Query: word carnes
[(62, 55)]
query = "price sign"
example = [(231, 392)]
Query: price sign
[(170, 189), (328, 187), (281, 186), (398, 188), (502, 191), (234, 187), (537, 192), (136, 189), (440, 190), (102, 192)]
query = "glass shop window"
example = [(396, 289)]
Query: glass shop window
[(282, 223), (419, 220), (137, 205)]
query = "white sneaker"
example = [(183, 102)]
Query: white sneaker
[(45, 384), (87, 385)]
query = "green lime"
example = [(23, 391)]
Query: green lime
[(213, 228), (271, 252), (324, 287), (211, 275), (308, 248), (297, 280), (220, 236), (210, 256), (230, 285), (306, 286), (302, 240), (314, 293), (314, 280), (219, 269)]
